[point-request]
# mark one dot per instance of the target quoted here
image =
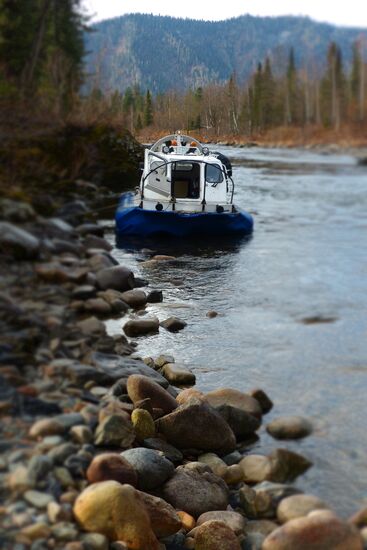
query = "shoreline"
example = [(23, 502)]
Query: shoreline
[(92, 432), (77, 399)]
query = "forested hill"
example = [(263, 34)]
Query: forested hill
[(160, 53)]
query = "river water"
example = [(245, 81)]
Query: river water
[(292, 304)]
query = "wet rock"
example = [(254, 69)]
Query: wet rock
[(233, 520), (297, 506), (183, 430), (256, 468), (140, 327), (287, 465), (234, 398), (211, 314), (17, 242), (169, 451), (99, 261), (60, 453), (194, 492), (178, 375), (37, 499), (173, 324), (320, 529), (114, 431), (289, 427), (152, 468), (215, 534), (141, 387), (111, 466), (242, 423), (118, 278), (134, 298), (117, 512), (163, 360), (143, 424), (263, 399), (163, 517), (155, 297)]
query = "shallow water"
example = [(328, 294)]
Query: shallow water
[(307, 260)]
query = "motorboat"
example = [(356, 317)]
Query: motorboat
[(185, 189)]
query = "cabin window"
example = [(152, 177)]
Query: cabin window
[(213, 173), (183, 166)]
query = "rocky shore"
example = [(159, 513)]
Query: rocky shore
[(101, 448)]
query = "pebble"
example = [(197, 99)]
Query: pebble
[(111, 466), (140, 327), (115, 431), (297, 506), (95, 541), (173, 324), (37, 499), (178, 375)]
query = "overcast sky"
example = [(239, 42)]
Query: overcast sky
[(340, 12)]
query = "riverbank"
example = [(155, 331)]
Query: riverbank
[(314, 138), (74, 398)]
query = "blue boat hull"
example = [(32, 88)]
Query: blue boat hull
[(134, 221)]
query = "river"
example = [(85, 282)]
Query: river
[(292, 304)]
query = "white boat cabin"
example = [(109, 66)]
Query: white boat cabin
[(180, 174)]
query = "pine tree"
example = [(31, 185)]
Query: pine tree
[(148, 109)]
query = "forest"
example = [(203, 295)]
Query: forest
[(43, 73), (335, 101)]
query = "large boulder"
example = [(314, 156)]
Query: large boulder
[(116, 511), (152, 467), (108, 466), (195, 424), (215, 534), (289, 427), (320, 530), (234, 398), (163, 517), (195, 492), (141, 387), (117, 277)]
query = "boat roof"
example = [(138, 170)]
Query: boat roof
[(179, 144)]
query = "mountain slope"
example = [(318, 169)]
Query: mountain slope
[(160, 53)]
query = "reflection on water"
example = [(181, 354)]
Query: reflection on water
[(292, 306)]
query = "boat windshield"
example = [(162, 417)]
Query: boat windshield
[(213, 173)]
